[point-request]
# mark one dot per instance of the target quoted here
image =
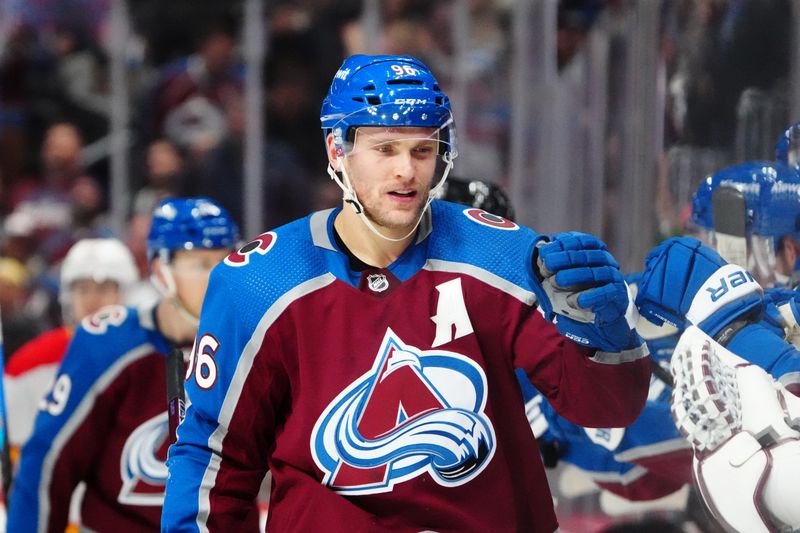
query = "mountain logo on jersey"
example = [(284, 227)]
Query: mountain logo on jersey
[(485, 218), (143, 464), (414, 412)]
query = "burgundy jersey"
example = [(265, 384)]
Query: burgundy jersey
[(384, 399), (103, 422)]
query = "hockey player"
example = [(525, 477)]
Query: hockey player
[(683, 279), (787, 148), (764, 219), (650, 458), (104, 420), (365, 354), (95, 273)]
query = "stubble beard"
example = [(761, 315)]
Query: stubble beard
[(388, 223)]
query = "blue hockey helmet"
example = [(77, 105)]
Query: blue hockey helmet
[(787, 149), (771, 193), (189, 224), (386, 90)]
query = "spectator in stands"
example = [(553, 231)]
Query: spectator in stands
[(191, 100), (164, 174), (221, 176), (63, 195), (18, 324)]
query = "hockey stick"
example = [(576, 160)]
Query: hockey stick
[(662, 373), (5, 452), (176, 402), (730, 224)]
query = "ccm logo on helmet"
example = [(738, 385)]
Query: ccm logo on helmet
[(487, 219), (411, 101), (260, 245)]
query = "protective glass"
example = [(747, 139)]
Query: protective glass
[(757, 253)]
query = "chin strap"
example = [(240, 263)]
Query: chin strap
[(169, 293), (349, 196)]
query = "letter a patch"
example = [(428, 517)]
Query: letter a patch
[(451, 313)]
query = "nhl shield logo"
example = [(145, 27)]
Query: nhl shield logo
[(377, 282), (415, 412)]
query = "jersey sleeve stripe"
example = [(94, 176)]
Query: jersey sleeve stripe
[(438, 265), (319, 229), (243, 366), (651, 450), (615, 477), (625, 356), (75, 420), (790, 379)]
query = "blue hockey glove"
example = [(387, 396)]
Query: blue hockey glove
[(782, 312), (686, 283), (580, 288)]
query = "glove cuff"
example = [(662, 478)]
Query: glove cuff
[(714, 324), (729, 284), (536, 279)]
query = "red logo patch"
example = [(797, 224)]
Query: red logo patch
[(260, 245), (488, 219)]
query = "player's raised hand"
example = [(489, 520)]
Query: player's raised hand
[(582, 290), (686, 283)]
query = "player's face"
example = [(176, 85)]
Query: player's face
[(88, 296), (191, 269), (391, 170)]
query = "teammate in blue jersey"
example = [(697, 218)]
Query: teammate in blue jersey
[(770, 245), (738, 411), (650, 458), (104, 421), (365, 354)]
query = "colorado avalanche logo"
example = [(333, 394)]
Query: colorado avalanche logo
[(413, 412), (143, 463)]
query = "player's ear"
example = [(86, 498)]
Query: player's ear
[(333, 157), (793, 248)]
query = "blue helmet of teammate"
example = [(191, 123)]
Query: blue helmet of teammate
[(787, 149), (771, 193), (386, 90), (189, 224)]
